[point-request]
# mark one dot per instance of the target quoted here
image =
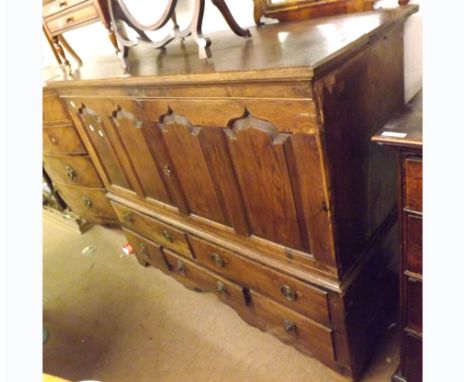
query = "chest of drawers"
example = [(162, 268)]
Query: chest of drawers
[(252, 176), (68, 165), (404, 134)]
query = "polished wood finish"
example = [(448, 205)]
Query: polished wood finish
[(255, 169), (406, 138)]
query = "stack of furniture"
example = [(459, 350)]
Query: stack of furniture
[(68, 165), (253, 175), (404, 135)]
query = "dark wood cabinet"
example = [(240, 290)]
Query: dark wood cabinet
[(253, 176), (404, 135)]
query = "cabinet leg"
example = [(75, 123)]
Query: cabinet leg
[(70, 50), (112, 38), (223, 8), (61, 53)]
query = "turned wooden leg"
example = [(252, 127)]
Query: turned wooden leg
[(70, 50), (112, 38), (61, 53), (223, 8), (51, 43)]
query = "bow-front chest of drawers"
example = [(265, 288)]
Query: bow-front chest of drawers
[(252, 175)]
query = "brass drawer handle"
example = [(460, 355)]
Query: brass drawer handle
[(71, 173), (167, 236), (128, 218), (218, 260), (289, 326), (62, 4), (167, 170), (87, 202), (53, 139), (221, 288), (289, 293), (143, 249), (69, 20), (180, 267)]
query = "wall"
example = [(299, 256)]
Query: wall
[(92, 40)]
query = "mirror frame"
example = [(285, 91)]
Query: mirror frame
[(294, 10)]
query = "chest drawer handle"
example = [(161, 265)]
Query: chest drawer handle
[(180, 267), (167, 170), (289, 326), (87, 202), (52, 139), (69, 20), (167, 236), (289, 293), (143, 249), (128, 218), (71, 173), (62, 4), (221, 288), (218, 260)]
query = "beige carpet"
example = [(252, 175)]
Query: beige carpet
[(109, 319)]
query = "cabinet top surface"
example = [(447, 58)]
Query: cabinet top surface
[(277, 51), (405, 129)]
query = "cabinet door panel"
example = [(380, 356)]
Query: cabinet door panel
[(259, 159), (131, 131), (93, 125), (183, 144)]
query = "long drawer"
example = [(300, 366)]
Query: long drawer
[(413, 243), (78, 170), (413, 184), (194, 276), (71, 19), (62, 139), (146, 251), (301, 297), (293, 328), (163, 234), (414, 301), (89, 203)]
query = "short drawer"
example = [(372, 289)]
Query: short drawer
[(77, 170), (57, 6), (413, 243), (146, 251), (293, 328), (301, 297), (162, 234), (89, 203), (412, 358), (61, 140), (52, 108), (414, 304), (71, 19), (190, 274), (413, 184)]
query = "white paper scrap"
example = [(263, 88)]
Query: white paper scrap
[(393, 134)]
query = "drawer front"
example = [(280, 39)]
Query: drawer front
[(414, 304), (86, 202), (146, 251), (412, 352), (52, 109), (191, 275), (413, 184), (57, 6), (295, 294), (294, 328), (72, 19), (77, 170), (61, 140), (413, 243), (162, 234)]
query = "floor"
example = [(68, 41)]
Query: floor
[(111, 320)]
